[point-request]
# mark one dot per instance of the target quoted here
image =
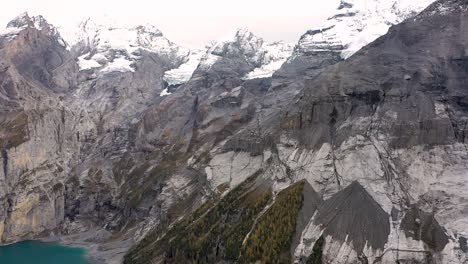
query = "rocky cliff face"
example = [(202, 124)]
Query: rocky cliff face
[(38, 139), (354, 161)]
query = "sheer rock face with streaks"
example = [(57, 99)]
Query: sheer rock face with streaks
[(38, 140)]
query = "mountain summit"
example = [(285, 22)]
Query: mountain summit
[(265, 58), (357, 23), (111, 47), (24, 21)]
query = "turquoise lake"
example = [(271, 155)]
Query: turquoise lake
[(34, 252)]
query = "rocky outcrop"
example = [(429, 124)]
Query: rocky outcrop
[(351, 218), (420, 225)]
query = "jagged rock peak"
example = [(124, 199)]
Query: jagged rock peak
[(345, 4), (24, 21), (356, 23), (266, 58), (243, 42)]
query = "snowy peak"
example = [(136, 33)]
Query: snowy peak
[(24, 21), (242, 44), (266, 58), (356, 23), (117, 37), (21, 21), (112, 47)]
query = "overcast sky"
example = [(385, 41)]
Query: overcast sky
[(188, 22)]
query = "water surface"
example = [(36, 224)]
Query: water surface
[(35, 252)]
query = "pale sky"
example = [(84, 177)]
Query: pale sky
[(193, 23)]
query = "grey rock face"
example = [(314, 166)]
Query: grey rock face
[(352, 215), (312, 202), (422, 226)]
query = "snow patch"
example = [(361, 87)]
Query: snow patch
[(184, 72), (86, 64), (10, 33), (165, 92), (208, 60), (119, 65), (275, 54)]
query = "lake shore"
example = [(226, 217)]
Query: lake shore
[(100, 247), (43, 252)]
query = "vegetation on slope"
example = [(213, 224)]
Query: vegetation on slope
[(270, 241), (210, 234)]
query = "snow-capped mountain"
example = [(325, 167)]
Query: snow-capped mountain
[(356, 23), (24, 21), (111, 47), (265, 57)]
